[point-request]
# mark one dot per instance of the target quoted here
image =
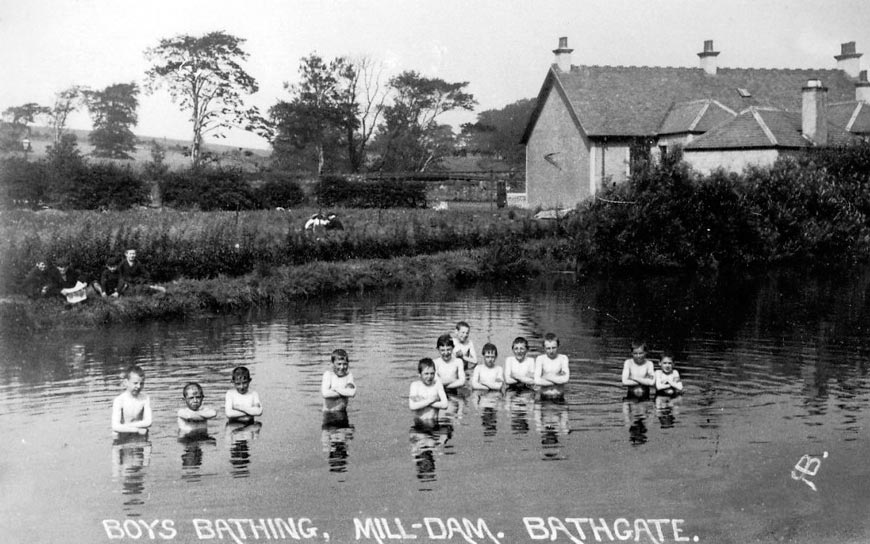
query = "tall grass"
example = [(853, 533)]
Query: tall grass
[(176, 244)]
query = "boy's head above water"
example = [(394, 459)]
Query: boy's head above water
[(667, 362), (241, 379), (193, 396), (638, 351), (340, 362), (551, 345), (426, 368), (462, 330), (490, 352), (520, 347), (445, 346), (134, 379)]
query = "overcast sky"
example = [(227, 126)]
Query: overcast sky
[(502, 48)]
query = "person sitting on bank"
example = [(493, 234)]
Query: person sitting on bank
[(64, 281), (36, 283), (111, 283), (333, 223), (135, 276)]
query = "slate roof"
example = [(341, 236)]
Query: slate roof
[(854, 116), (633, 100), (763, 128), (697, 116)]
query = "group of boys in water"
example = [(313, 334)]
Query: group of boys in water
[(547, 373)]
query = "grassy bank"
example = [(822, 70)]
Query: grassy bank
[(200, 245), (269, 287)]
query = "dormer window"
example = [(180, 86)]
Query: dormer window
[(744, 92)]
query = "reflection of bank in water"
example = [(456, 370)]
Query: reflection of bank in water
[(239, 435), (131, 454), (428, 439), (336, 433)]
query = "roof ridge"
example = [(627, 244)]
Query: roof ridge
[(698, 117), (854, 116)]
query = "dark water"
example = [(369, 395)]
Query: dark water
[(775, 370)]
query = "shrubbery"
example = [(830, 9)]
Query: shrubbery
[(811, 209), (334, 190)]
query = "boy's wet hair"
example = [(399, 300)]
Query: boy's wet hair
[(520, 340), (550, 337), (241, 372), (444, 340), (113, 261), (190, 385), (460, 324), (336, 353), (489, 347), (133, 369), (668, 353), (637, 344), (425, 362)]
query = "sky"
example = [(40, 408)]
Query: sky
[(501, 48)]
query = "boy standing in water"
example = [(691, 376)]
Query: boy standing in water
[(668, 379), (194, 416), (519, 370), (427, 395), (463, 347), (241, 404), (131, 410), (448, 368), (638, 373), (337, 387), (551, 369), (488, 376)]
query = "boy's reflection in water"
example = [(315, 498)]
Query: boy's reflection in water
[(666, 410), (337, 431), (634, 412), (551, 420), (130, 455), (487, 403), (191, 458), (238, 434), (520, 402), (426, 437)]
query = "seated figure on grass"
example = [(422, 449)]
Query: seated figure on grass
[(136, 277), (65, 281)]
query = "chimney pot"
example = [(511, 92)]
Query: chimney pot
[(862, 76), (862, 88), (847, 48), (708, 46), (563, 55), (849, 60)]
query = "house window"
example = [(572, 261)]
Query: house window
[(638, 155), (744, 92), (663, 151)]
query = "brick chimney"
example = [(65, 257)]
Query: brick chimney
[(862, 88), (814, 112), (848, 60), (708, 58), (563, 55)]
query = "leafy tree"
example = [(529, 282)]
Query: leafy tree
[(313, 119), (411, 138), (204, 75), (65, 102), (16, 121), (113, 111), (363, 98), (497, 133)]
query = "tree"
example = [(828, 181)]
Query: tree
[(113, 111), (65, 102), (363, 98), (497, 133), (313, 119), (204, 76), (411, 138), (16, 121)]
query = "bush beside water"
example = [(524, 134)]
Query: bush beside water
[(810, 210)]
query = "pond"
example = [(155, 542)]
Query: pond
[(768, 443)]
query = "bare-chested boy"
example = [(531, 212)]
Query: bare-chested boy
[(131, 410), (427, 395), (241, 404), (337, 387)]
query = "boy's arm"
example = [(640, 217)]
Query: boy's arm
[(326, 386), (256, 408), (230, 409), (626, 372), (145, 422), (563, 374), (472, 356), (508, 372), (649, 375), (417, 401), (348, 389), (661, 380), (117, 414), (460, 378), (441, 404), (675, 380)]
